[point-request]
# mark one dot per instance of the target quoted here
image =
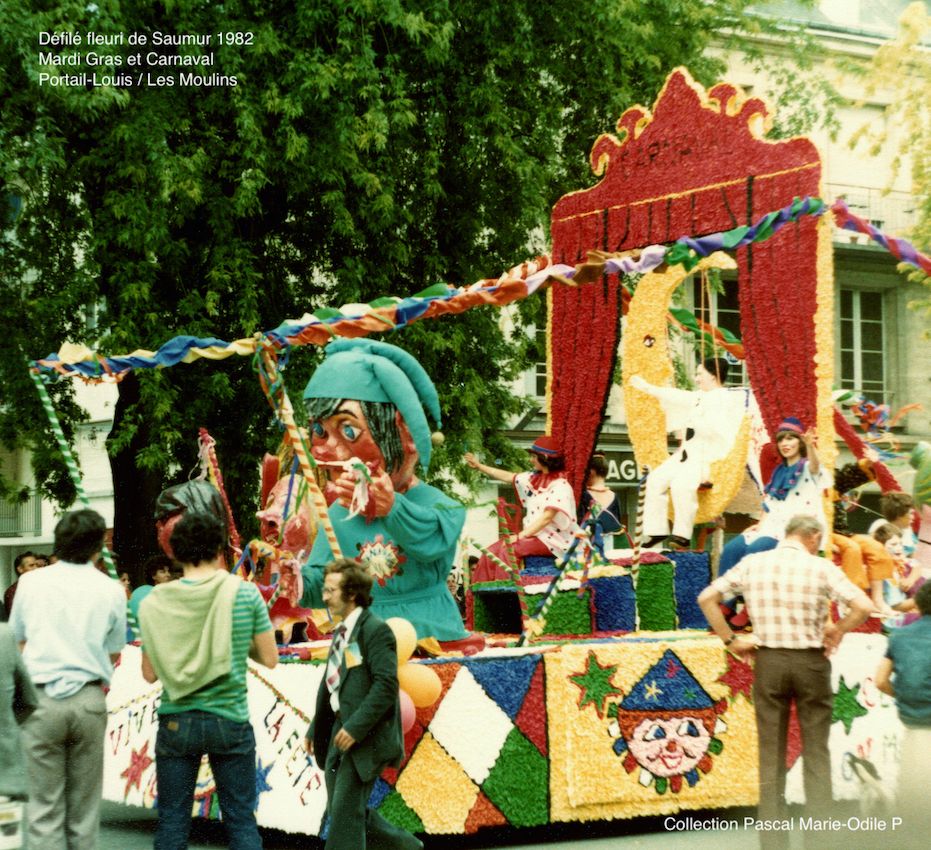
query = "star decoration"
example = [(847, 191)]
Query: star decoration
[(595, 684), (653, 690), (738, 676), (261, 778), (847, 707), (138, 764), (382, 558)]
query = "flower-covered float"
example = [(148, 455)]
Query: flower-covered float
[(612, 702)]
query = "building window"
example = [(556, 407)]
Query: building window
[(539, 367), (862, 342), (722, 310)]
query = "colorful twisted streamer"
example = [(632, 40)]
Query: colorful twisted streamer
[(901, 249), (689, 251), (390, 312), (39, 380)]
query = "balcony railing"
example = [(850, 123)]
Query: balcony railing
[(892, 212), (21, 519)]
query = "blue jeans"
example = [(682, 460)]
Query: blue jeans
[(737, 549), (182, 740)]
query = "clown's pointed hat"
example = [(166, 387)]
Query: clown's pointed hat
[(669, 686)]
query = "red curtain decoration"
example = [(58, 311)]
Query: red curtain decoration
[(691, 167)]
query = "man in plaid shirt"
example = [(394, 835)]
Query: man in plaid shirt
[(787, 593)]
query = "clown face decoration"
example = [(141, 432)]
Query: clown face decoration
[(665, 728), (669, 746)]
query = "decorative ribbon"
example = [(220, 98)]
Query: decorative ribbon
[(390, 312), (901, 249), (75, 475), (208, 456), (273, 386)]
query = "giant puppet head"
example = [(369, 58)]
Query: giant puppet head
[(173, 501), (370, 400)]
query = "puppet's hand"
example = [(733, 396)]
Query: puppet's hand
[(381, 493)]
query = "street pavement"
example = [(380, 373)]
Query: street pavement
[(130, 828)]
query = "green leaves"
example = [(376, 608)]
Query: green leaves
[(371, 148)]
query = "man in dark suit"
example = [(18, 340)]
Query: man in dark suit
[(356, 729)]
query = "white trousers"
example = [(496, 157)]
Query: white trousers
[(677, 478)]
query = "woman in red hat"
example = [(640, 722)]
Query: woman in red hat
[(548, 503)]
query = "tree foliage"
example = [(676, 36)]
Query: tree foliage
[(902, 68), (370, 147)]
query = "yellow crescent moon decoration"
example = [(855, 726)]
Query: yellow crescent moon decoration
[(645, 352)]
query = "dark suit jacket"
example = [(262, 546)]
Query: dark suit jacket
[(368, 702)]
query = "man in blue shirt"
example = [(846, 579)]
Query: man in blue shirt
[(905, 673), (70, 620)]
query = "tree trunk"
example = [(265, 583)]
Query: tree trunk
[(134, 492)]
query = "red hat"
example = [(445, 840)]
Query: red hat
[(546, 446)]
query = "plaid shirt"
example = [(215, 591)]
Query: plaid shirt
[(787, 592)]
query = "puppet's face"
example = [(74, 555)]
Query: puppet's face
[(346, 434), (669, 746), (297, 533)]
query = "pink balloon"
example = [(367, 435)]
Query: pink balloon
[(408, 712)]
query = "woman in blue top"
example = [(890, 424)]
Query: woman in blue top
[(797, 486)]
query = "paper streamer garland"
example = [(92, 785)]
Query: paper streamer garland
[(901, 249), (75, 474), (389, 312)]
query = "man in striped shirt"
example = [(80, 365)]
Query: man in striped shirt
[(787, 592), (196, 635)]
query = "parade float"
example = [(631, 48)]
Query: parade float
[(605, 697)]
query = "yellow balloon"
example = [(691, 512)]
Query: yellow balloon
[(422, 685), (405, 636)]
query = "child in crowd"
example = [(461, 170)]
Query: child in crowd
[(900, 588), (899, 509)]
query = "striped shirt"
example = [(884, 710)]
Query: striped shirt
[(787, 592), (226, 695)]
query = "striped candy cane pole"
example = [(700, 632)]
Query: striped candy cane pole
[(638, 528), (537, 622), (638, 533), (74, 473), (281, 404), (504, 532)]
